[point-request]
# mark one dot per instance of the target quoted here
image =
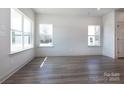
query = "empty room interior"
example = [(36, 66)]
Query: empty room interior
[(61, 45)]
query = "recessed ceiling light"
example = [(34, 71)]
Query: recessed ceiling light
[(98, 9)]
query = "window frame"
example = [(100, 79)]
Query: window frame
[(95, 36), (45, 45), (22, 31)]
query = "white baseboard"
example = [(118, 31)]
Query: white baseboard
[(5, 77)]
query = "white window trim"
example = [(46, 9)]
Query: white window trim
[(32, 34), (46, 45), (22, 50)]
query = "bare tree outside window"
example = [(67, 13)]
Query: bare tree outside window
[(46, 34)]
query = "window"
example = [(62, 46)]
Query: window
[(21, 31), (46, 34), (27, 35), (93, 35)]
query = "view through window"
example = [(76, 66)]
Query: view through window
[(21, 31), (46, 34), (93, 35)]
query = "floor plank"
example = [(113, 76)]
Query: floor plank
[(71, 70)]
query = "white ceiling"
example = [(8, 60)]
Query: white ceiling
[(73, 11)]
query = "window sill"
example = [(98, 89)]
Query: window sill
[(50, 45), (15, 52), (94, 46)]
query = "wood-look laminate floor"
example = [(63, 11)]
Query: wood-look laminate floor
[(70, 70)]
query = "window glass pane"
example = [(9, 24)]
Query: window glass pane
[(16, 20), (46, 34), (91, 40), (16, 41), (91, 30), (94, 35), (97, 40), (97, 30), (27, 25), (20, 38), (27, 41)]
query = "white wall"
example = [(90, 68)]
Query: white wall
[(9, 63), (69, 35), (109, 34)]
